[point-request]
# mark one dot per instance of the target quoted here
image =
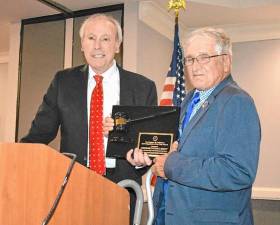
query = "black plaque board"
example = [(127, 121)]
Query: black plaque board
[(151, 128)]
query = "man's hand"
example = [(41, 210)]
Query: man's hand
[(137, 157), (108, 125), (158, 167)]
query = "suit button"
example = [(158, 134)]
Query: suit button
[(85, 158)]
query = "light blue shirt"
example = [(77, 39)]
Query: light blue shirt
[(203, 95)]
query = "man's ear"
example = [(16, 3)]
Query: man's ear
[(117, 49), (82, 48), (227, 63)]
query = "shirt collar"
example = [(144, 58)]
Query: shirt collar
[(107, 75), (205, 93)]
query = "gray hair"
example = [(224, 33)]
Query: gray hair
[(223, 43), (107, 17)]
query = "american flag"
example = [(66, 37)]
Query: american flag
[(174, 86)]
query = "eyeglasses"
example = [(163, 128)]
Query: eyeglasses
[(201, 59)]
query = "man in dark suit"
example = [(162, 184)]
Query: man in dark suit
[(67, 102), (208, 179)]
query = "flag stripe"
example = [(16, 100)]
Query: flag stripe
[(174, 87), (169, 87), (167, 95), (166, 102), (170, 80)]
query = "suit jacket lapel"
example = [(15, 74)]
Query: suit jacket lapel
[(203, 109), (199, 114), (83, 97)]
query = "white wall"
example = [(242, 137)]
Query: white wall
[(256, 68), (146, 51), (154, 55), (130, 37), (3, 82), (12, 83)]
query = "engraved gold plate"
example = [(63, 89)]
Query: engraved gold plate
[(155, 144)]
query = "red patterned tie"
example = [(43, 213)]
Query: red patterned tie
[(96, 144)]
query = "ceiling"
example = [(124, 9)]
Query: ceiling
[(198, 12)]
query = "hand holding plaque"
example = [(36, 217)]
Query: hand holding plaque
[(151, 128)]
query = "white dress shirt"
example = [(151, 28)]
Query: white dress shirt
[(111, 96)]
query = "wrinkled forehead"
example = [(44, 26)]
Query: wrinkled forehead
[(199, 44), (101, 23)]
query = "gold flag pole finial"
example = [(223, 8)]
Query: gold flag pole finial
[(176, 5)]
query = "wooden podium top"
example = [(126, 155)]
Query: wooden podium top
[(30, 178)]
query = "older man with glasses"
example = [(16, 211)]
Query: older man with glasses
[(207, 177)]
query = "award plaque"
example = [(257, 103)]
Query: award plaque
[(155, 144), (150, 128)]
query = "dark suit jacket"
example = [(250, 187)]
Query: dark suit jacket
[(65, 105), (212, 172)]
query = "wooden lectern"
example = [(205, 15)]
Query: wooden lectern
[(30, 178)]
